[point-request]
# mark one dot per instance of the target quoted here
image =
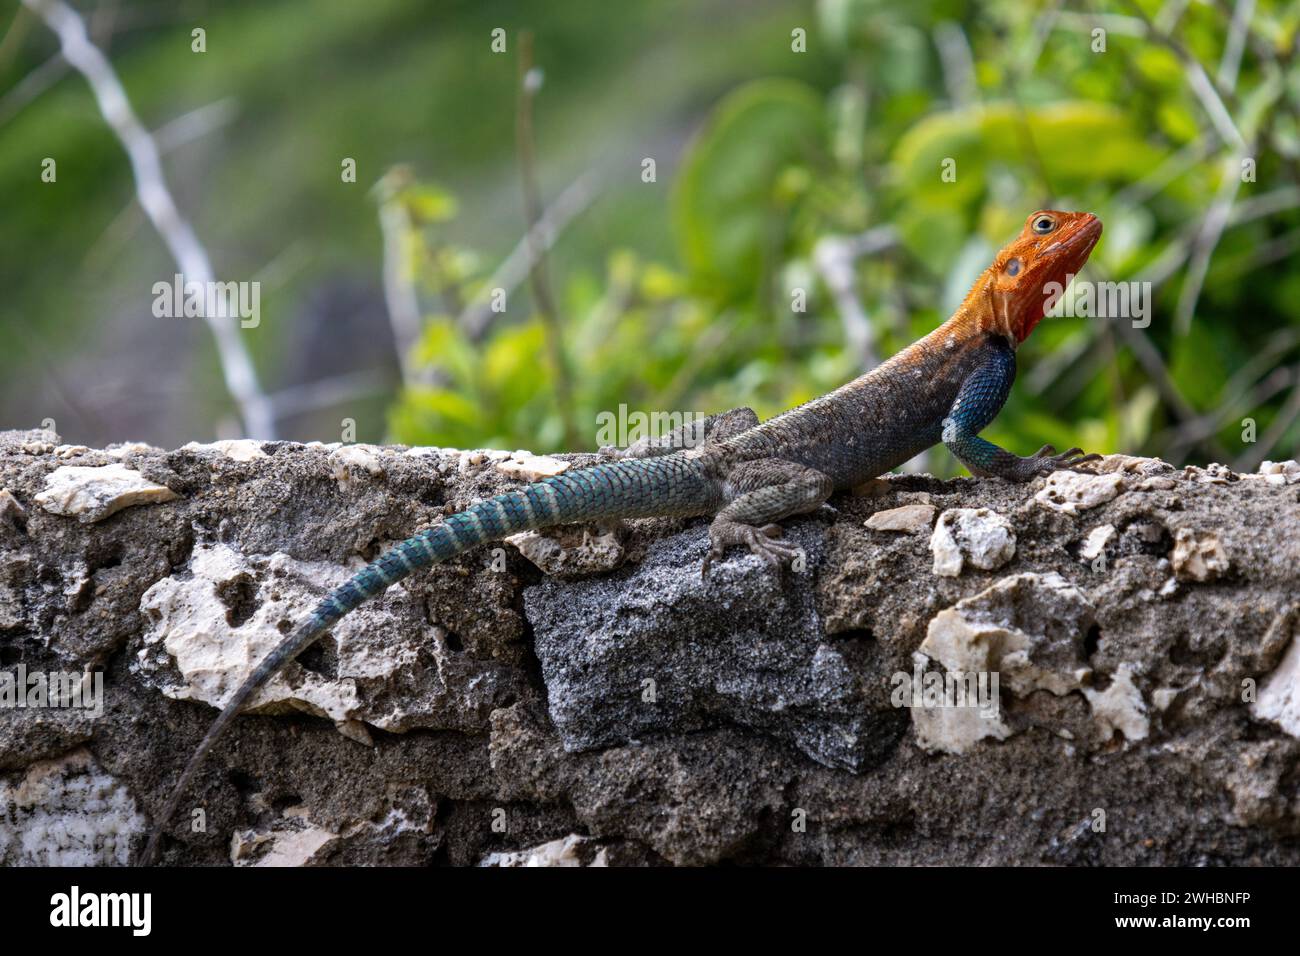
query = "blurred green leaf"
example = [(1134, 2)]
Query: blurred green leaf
[(726, 200)]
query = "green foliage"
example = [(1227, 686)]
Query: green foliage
[(758, 153), (678, 295), (780, 164)]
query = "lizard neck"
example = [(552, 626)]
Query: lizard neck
[(982, 312), (976, 319)]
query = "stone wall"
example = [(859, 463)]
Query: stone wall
[(584, 697)]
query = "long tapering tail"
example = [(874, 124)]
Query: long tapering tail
[(632, 488)]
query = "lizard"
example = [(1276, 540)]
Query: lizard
[(944, 388)]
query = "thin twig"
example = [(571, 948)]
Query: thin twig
[(1244, 387), (31, 86), (1277, 429), (156, 200), (529, 82), (195, 124), (1211, 98), (956, 61), (399, 283), (834, 257), (1137, 193), (1230, 64), (477, 315), (1207, 239), (323, 393)]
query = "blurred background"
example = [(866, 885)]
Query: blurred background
[(668, 205)]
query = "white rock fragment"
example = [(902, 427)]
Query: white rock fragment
[(1095, 544), (909, 519), (71, 451), (526, 465), (188, 618), (350, 460), (93, 493), (67, 812), (236, 449), (1120, 706), (297, 840), (552, 554), (297, 844), (1212, 474), (1198, 556), (978, 535), (123, 449), (1163, 697), (1073, 491), (1279, 693), (1130, 465), (1027, 629), (1280, 472), (562, 852)]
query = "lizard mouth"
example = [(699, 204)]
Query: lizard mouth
[(1078, 241)]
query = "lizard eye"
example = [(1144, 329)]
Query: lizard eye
[(1044, 224), (1013, 267)]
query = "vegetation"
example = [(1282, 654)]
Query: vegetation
[(712, 286)]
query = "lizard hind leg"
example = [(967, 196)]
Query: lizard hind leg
[(765, 491)]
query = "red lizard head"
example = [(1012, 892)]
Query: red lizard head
[(1032, 271)]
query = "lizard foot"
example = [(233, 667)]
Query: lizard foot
[(765, 542), (1046, 460)]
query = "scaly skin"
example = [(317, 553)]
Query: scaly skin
[(945, 388)]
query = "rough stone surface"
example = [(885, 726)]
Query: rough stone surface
[(621, 709), (94, 493), (976, 536), (908, 518)]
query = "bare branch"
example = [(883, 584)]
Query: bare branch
[(1230, 64), (539, 238), (399, 283), (156, 200), (1207, 239), (530, 81), (834, 257), (1277, 429), (330, 391), (957, 63), (31, 86), (1211, 98)]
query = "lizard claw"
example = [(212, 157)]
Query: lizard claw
[(1046, 460), (767, 542)]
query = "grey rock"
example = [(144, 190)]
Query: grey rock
[(496, 693), (659, 650)]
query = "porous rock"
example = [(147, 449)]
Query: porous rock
[(637, 709)]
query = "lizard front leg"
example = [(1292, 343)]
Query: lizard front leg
[(765, 491), (708, 430), (979, 400)]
